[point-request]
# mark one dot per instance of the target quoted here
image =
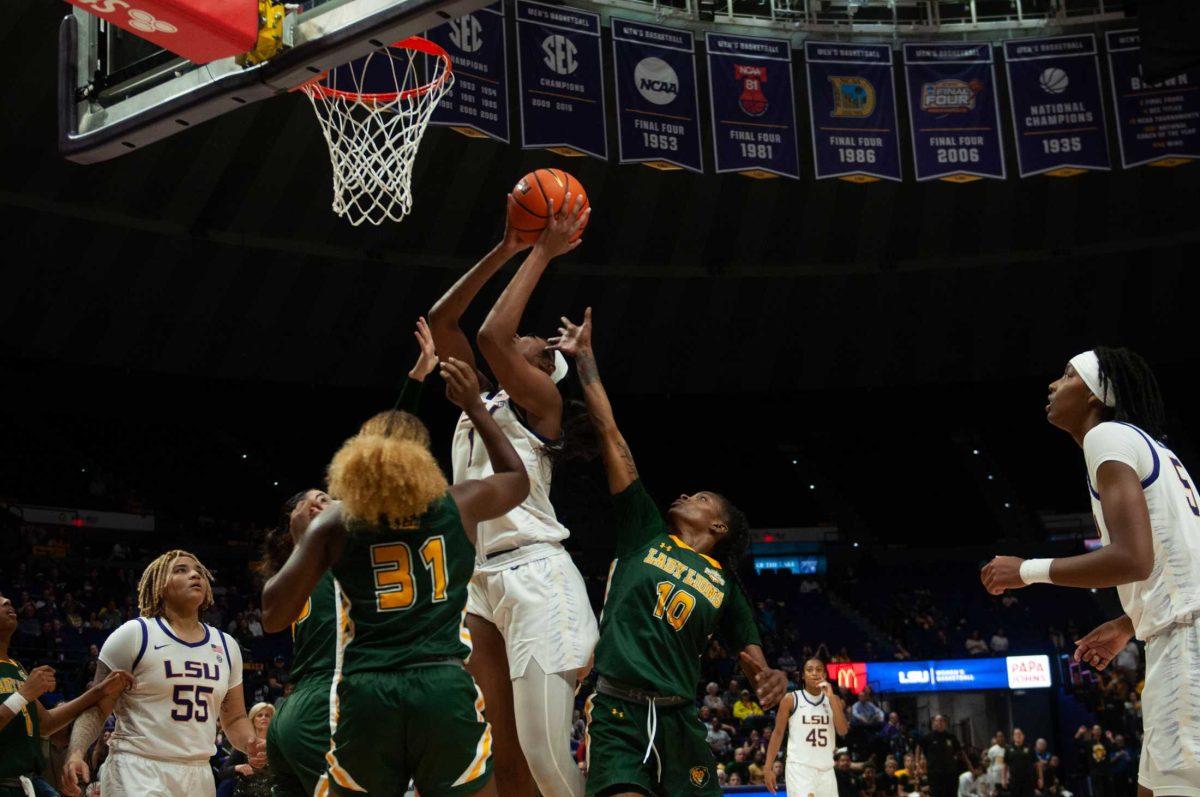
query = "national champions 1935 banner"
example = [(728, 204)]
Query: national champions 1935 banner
[(1157, 123), (477, 103), (1057, 106), (753, 105), (658, 110), (954, 112), (561, 80), (852, 96)]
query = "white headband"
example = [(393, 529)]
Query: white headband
[(560, 367), (1087, 365)]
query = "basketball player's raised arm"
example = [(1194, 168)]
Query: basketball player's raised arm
[(286, 592), (576, 341), (101, 694), (786, 707)]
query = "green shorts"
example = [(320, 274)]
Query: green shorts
[(617, 740), (298, 738), (421, 723)]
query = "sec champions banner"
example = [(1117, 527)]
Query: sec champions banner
[(658, 112), (852, 94), (954, 112), (1157, 123), (753, 106), (477, 103), (1057, 105), (561, 80)]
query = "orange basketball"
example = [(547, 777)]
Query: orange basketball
[(533, 194)]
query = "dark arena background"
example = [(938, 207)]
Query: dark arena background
[(187, 334)]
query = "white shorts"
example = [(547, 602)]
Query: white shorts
[(129, 775), (541, 609), (806, 781), (1171, 713)]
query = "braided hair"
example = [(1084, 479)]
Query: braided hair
[(734, 544), (277, 543), (153, 584), (1134, 387)]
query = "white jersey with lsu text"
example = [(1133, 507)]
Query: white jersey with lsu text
[(1170, 596), (172, 713), (534, 520), (811, 739)]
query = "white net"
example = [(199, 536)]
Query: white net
[(373, 132)]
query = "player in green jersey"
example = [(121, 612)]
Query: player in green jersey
[(672, 584), (24, 722), (299, 734), (401, 548)]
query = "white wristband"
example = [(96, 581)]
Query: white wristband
[(15, 703), (1036, 571)]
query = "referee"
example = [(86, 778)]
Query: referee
[(944, 759)]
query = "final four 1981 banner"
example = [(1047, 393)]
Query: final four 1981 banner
[(1057, 106), (477, 103), (1157, 123), (852, 94), (561, 78), (954, 113), (753, 106)]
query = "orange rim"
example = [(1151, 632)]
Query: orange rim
[(417, 43)]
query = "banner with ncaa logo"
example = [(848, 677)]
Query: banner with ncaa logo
[(1157, 123), (561, 80), (852, 95), (477, 103), (658, 111), (954, 112), (753, 105), (1057, 110)]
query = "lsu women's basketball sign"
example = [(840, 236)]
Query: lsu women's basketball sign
[(477, 103), (561, 80), (753, 106), (1057, 105), (954, 112), (852, 94), (1157, 123), (658, 111)]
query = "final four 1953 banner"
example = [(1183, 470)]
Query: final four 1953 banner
[(753, 107), (477, 103), (1057, 105), (658, 110), (852, 94), (561, 79), (954, 112), (1157, 123)]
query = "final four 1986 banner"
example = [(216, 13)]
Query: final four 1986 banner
[(1157, 123), (1057, 105), (954, 113), (852, 93), (477, 103), (561, 78), (753, 106), (658, 111)]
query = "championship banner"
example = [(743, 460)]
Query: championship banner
[(1057, 106), (852, 96), (561, 80), (477, 104), (954, 112), (1157, 123), (753, 106), (658, 110)]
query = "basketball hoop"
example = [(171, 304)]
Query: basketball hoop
[(373, 136)]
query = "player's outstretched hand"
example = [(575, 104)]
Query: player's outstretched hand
[(116, 682), (40, 681), (564, 224), (462, 386), (428, 359), (572, 339), (1100, 646), (1002, 573), (74, 771), (769, 685)]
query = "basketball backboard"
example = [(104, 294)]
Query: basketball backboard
[(118, 92)]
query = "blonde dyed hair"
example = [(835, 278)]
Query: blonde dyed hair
[(385, 474), (152, 587)]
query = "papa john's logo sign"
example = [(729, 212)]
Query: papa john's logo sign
[(1028, 672), (139, 20)]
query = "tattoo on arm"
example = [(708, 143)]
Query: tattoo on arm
[(86, 730), (585, 364), (627, 459)]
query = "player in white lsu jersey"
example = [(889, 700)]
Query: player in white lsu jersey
[(188, 675), (811, 718), (532, 627), (1147, 511)]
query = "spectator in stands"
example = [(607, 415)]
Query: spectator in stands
[(999, 643), (995, 762), (1123, 769), (1049, 780), (730, 695), (975, 645), (894, 736), (288, 688), (847, 786), (1041, 748), (786, 662), (973, 782), (739, 766), (1020, 766), (866, 714), (250, 782), (757, 765), (719, 738), (746, 708), (867, 785), (943, 758), (712, 698), (888, 783)]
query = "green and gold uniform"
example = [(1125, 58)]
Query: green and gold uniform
[(664, 601), (20, 740), (404, 706)]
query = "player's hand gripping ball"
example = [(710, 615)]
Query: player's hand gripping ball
[(529, 208)]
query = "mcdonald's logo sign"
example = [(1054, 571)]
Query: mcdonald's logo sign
[(851, 676)]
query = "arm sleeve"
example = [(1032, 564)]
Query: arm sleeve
[(235, 661), (124, 646), (410, 395), (738, 627), (638, 519), (1116, 442)]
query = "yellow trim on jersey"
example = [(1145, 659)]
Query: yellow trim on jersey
[(587, 731), (687, 547), (483, 749)]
